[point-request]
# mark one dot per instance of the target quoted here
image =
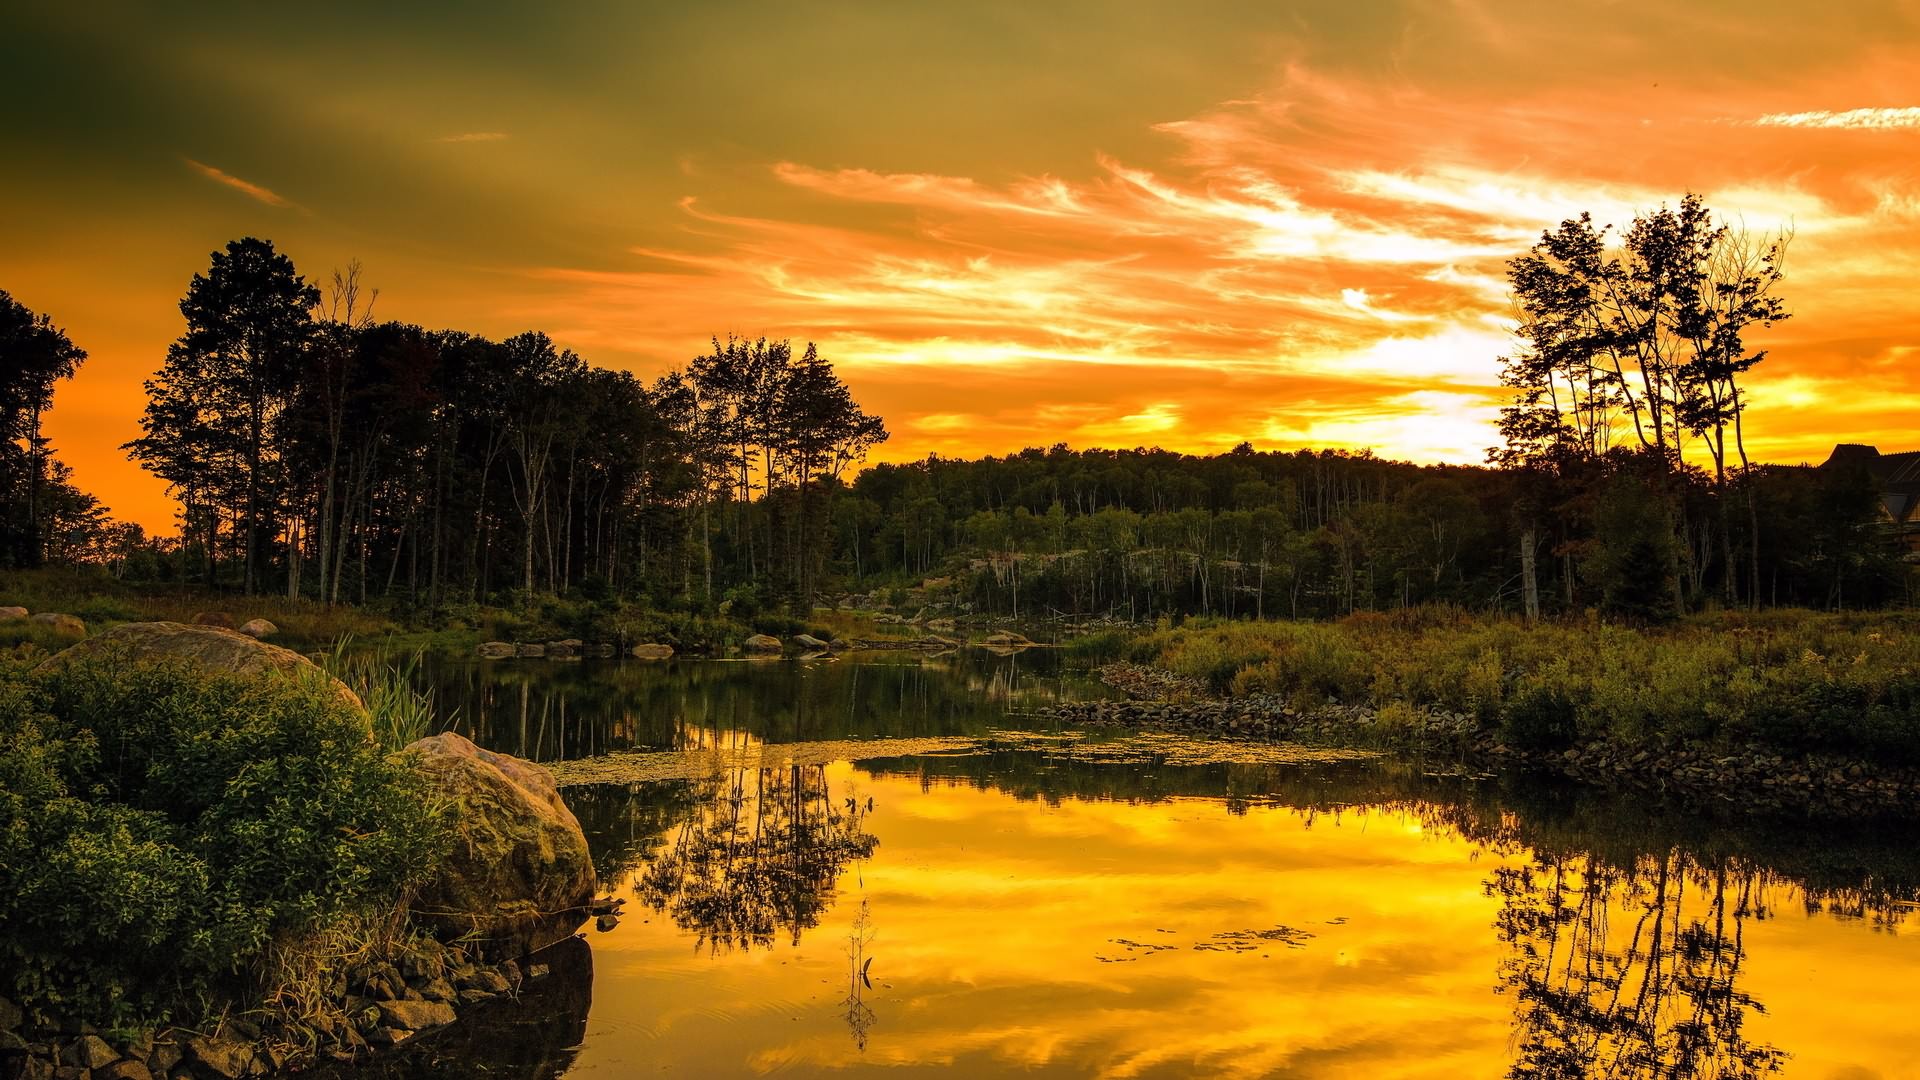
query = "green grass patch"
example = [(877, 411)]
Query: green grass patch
[(1789, 681)]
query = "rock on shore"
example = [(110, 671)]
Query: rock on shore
[(519, 877), (210, 647)]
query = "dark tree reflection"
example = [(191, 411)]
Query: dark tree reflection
[(1630, 971), (758, 856)]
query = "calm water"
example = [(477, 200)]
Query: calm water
[(1062, 912)]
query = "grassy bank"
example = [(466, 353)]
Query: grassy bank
[(455, 627), (1790, 682)]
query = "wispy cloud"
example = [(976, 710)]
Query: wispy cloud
[(473, 136), (1858, 119), (245, 187)]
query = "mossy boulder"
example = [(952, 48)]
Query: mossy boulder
[(210, 647), (64, 625), (762, 644), (519, 876)]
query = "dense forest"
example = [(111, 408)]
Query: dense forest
[(320, 452)]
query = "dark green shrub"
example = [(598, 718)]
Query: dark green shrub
[(160, 828), (1541, 713)]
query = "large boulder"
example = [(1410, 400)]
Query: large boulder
[(762, 643), (258, 628), (652, 651), (208, 646), (519, 877), (809, 642), (65, 625), (495, 650), (10, 613)]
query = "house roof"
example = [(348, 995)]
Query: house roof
[(1895, 472)]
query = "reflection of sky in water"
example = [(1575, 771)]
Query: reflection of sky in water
[(990, 918)]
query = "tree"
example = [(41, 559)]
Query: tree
[(211, 416), (34, 355)]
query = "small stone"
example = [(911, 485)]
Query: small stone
[(537, 971), (225, 1058), (387, 1036), (123, 1070), (474, 996), (437, 990), (90, 1052), (69, 1072), (605, 923), (416, 1015), (36, 1068)]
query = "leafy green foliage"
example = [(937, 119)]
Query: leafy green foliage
[(1791, 682), (161, 828)]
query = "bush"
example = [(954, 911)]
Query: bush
[(1786, 681), (161, 829)]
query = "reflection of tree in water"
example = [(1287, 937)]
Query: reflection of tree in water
[(759, 854), (627, 823), (1658, 998)]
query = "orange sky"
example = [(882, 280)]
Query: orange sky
[(1107, 223)]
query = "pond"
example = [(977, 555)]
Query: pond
[(996, 899)]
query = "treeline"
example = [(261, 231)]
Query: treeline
[(317, 450), (1140, 533), (321, 452), (1622, 483)]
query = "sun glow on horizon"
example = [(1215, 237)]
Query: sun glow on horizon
[(1316, 258)]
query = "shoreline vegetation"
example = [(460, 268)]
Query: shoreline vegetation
[(1776, 712), (219, 861)]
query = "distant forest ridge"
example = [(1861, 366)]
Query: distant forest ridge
[(319, 452)]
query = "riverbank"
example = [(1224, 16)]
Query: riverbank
[(1721, 777), (212, 867)]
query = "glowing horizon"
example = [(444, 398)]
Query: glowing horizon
[(1006, 227)]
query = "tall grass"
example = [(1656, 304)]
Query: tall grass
[(1793, 681), (391, 686)]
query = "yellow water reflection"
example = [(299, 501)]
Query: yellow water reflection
[(1174, 938)]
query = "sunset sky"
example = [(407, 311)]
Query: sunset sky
[(1105, 222)]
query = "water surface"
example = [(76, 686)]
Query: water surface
[(1047, 907)]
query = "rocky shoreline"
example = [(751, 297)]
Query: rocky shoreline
[(383, 1003), (517, 881), (1743, 779)]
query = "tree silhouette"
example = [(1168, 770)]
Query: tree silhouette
[(34, 356), (212, 411)]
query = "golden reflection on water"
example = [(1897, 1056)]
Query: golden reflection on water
[(1173, 938)]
